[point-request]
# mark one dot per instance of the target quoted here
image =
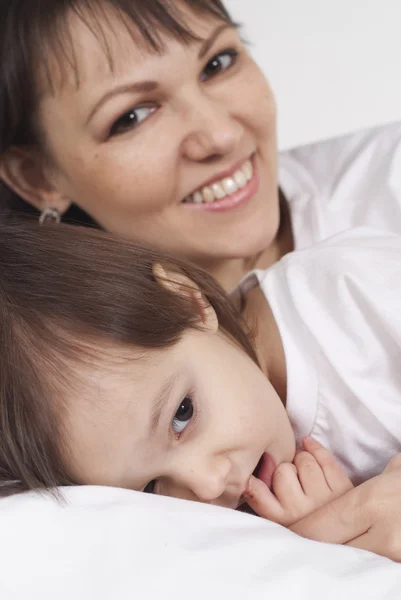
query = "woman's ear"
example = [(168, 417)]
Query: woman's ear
[(23, 171), (182, 285)]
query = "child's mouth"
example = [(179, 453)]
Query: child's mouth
[(258, 467), (264, 469)]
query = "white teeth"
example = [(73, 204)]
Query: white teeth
[(197, 198), (208, 195), (229, 185), (223, 188), (247, 170), (240, 179), (218, 191)]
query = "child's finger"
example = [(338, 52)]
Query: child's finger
[(335, 476), (286, 486), (263, 501), (310, 475)]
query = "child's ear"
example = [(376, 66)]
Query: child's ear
[(182, 285)]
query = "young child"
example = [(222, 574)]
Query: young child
[(124, 367)]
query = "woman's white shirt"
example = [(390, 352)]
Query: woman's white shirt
[(346, 182), (338, 309)]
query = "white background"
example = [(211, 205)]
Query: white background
[(335, 65)]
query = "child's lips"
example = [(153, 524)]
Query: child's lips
[(264, 469)]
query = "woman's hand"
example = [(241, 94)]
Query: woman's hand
[(366, 517), (313, 480)]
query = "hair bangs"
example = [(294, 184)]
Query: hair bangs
[(50, 39)]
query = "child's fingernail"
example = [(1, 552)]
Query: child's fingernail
[(248, 494)]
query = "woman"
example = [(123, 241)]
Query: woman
[(152, 119), (144, 115)]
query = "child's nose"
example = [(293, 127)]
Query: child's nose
[(208, 480)]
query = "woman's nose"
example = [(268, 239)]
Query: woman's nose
[(212, 131)]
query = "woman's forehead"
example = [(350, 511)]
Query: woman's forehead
[(96, 44)]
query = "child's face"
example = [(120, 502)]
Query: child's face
[(194, 418)]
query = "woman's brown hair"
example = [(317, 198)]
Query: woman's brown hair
[(62, 285), (35, 32)]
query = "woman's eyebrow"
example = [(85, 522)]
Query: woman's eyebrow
[(151, 86), (138, 87), (208, 43), (160, 401)]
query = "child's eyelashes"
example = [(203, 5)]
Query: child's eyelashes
[(150, 488), (183, 416)]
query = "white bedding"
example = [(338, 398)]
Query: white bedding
[(109, 544)]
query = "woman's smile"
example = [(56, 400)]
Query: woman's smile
[(227, 190), (202, 138)]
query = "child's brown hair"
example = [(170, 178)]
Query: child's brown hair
[(62, 285)]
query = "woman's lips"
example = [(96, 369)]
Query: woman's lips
[(239, 198)]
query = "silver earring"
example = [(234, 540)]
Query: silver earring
[(50, 215)]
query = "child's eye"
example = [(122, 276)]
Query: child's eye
[(150, 488), (220, 62), (131, 119), (183, 415), (181, 420)]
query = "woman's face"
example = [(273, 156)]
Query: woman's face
[(176, 149)]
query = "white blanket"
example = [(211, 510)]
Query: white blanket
[(109, 544)]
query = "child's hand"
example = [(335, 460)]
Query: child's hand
[(298, 489)]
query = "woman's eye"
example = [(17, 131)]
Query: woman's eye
[(220, 62), (183, 415), (131, 119)]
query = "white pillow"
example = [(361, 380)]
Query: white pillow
[(335, 66), (109, 544)]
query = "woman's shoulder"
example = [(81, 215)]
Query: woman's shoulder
[(325, 160), (349, 181)]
